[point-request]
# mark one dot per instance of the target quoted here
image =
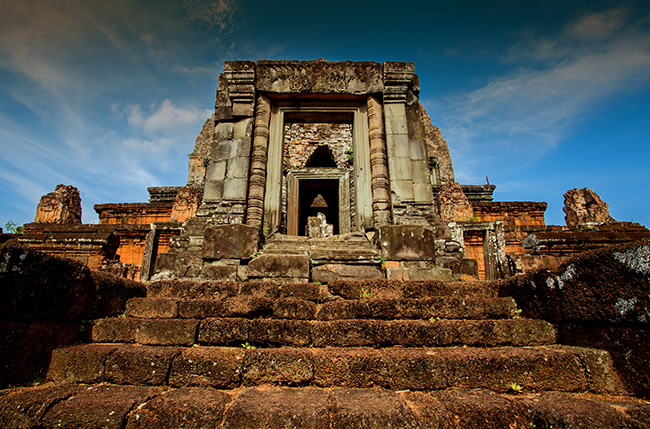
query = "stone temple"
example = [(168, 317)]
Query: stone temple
[(321, 268), (319, 171)]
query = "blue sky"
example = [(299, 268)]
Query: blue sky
[(541, 97)]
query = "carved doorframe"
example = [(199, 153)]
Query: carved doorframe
[(295, 176), (361, 155)]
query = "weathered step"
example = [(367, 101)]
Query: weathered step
[(290, 308), (365, 289), (132, 407), (544, 368), (334, 333)]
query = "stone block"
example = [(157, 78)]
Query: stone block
[(218, 272), (277, 366), (152, 308), (306, 291), (420, 172), (216, 170), (114, 330), (217, 367), (231, 331), (243, 147), (279, 266), (138, 365), (235, 189), (403, 189), (350, 367), (279, 408), (171, 332), (225, 149), (238, 167), (181, 408), (417, 152), (422, 193), (224, 131), (395, 119), (407, 242), (213, 190), (79, 364), (281, 332), (294, 309), (243, 129), (230, 242), (105, 406), (370, 408)]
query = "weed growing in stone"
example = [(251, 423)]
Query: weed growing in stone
[(518, 314), (248, 346), (515, 388), (365, 294)]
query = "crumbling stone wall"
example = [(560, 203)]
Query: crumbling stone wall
[(584, 207), (62, 206), (599, 299), (200, 156), (43, 302), (302, 139), (452, 203)]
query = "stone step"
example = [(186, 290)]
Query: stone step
[(363, 289), (535, 369), (331, 333), (136, 407), (306, 309)]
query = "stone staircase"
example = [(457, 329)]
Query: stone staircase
[(349, 354), (352, 248)]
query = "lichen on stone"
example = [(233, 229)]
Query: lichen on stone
[(624, 306), (637, 260)]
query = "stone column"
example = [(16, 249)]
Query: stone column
[(378, 164), (149, 254), (255, 207), (397, 77)]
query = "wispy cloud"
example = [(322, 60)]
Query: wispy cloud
[(164, 118), (557, 81)]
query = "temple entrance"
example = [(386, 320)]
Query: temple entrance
[(318, 196), (318, 190)]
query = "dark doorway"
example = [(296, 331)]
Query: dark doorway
[(318, 195)]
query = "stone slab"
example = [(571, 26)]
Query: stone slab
[(331, 272), (407, 242), (230, 241), (279, 266)]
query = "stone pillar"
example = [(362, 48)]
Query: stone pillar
[(378, 164), (408, 164), (255, 207), (397, 77), (149, 254)]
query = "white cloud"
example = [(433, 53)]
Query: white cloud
[(165, 118), (522, 115)]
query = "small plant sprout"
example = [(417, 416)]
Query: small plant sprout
[(515, 388), (365, 294), (248, 346), (517, 314), (256, 254)]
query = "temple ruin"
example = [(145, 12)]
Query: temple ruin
[(317, 170), (321, 268)]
